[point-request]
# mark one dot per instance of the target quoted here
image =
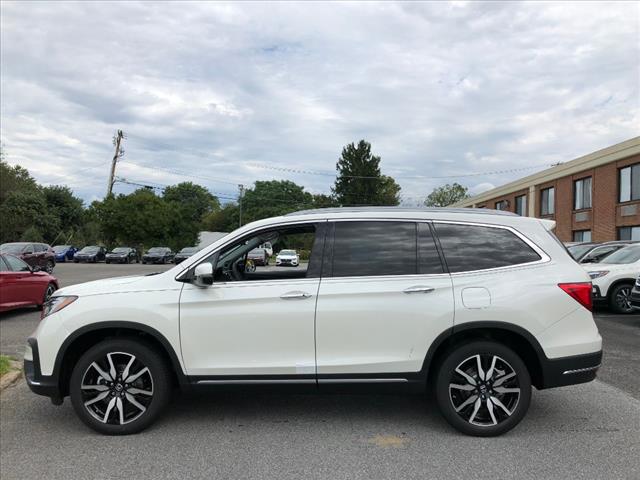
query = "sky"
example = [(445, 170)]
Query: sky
[(226, 94)]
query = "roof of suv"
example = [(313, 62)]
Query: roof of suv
[(483, 211)]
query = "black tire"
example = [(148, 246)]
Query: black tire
[(157, 379), (48, 292), (48, 266), (619, 298), (143, 262), (107, 261), (486, 411)]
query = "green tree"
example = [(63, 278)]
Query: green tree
[(32, 234), (224, 220), (194, 200), (14, 179), (321, 200), (446, 195), (359, 180), (64, 205), (22, 210), (272, 198)]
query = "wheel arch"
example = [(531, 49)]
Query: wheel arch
[(517, 338), (619, 282), (84, 338)]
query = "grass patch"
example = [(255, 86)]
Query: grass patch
[(5, 364)]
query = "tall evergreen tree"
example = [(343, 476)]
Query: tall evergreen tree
[(359, 180)]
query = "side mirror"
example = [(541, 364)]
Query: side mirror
[(203, 275)]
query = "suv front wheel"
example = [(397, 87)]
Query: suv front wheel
[(483, 388), (120, 386)]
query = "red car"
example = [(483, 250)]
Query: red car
[(39, 256), (20, 286)]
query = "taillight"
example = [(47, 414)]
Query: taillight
[(581, 293)]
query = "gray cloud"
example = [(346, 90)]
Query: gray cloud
[(211, 89)]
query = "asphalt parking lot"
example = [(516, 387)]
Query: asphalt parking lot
[(586, 431)]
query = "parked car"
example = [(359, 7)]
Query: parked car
[(258, 256), (521, 304), (90, 254), (21, 286), (158, 255), (635, 295), (122, 255), (614, 277), (64, 252), (595, 252), (185, 253), (287, 257), (38, 256)]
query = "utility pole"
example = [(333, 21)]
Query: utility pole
[(241, 189), (118, 153)]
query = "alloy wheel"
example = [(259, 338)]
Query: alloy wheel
[(49, 267), (50, 289), (484, 390), (623, 299), (117, 389)]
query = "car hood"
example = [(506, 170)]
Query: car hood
[(108, 285), (116, 254), (288, 256), (154, 254), (631, 268)]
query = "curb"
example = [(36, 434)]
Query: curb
[(10, 378)]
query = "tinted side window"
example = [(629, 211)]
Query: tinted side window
[(3, 266), (428, 256), (471, 247), (374, 248)]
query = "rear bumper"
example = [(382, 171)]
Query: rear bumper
[(559, 372)]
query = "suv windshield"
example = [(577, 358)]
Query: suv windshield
[(287, 252), (61, 248), (12, 247), (89, 249), (157, 250), (578, 251), (624, 255), (120, 250), (189, 250)]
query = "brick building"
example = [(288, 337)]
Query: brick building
[(592, 198)]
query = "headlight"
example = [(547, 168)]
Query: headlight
[(599, 274), (55, 304)]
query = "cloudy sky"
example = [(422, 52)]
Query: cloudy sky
[(223, 94)]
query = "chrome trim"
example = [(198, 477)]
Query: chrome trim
[(362, 380), (257, 382), (580, 370)]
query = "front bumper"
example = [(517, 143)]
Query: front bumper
[(559, 372), (635, 297), (153, 259), (48, 386), (117, 259), (85, 259)]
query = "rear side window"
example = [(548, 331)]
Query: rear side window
[(374, 248), (472, 247)]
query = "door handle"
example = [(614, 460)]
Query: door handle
[(296, 294), (418, 289)]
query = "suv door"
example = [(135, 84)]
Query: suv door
[(383, 299), (252, 326)]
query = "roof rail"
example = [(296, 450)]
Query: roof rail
[(484, 211)]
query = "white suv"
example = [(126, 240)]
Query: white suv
[(476, 305), (613, 278)]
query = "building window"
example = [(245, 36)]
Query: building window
[(501, 205), (629, 233), (630, 183), (548, 201), (521, 205), (582, 193), (582, 236)]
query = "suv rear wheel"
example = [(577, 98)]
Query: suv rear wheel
[(483, 388), (119, 386)]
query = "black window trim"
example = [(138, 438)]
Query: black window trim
[(544, 257)]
